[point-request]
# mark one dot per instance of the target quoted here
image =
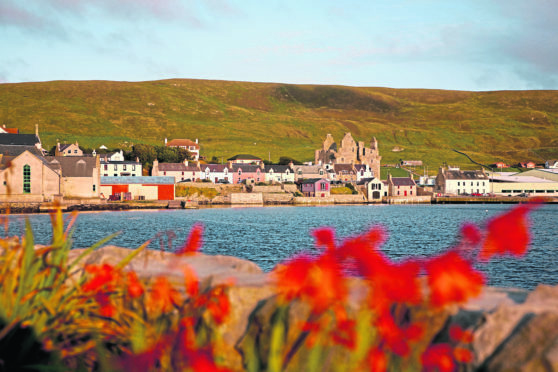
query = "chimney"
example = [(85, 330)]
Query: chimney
[(137, 159), (155, 169), (196, 140), (185, 162), (165, 141), (37, 130)]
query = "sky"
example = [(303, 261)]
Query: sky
[(474, 45)]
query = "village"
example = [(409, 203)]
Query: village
[(344, 173)]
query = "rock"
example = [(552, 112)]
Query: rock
[(531, 348)]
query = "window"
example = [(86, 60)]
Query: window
[(75, 151), (106, 166), (105, 175), (458, 183), (26, 179), (115, 167), (164, 173), (133, 167), (94, 187), (124, 167)]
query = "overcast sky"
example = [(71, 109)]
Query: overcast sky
[(446, 44)]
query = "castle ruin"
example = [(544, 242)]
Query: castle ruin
[(350, 152)]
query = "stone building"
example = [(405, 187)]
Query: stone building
[(350, 152)]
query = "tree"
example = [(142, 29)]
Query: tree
[(285, 160)]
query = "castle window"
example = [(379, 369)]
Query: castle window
[(26, 179)]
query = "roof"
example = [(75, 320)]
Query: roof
[(103, 161), (347, 168), (10, 152), (214, 167), (312, 180), (143, 180), (65, 146), (73, 166), (524, 179), (177, 167), (18, 139), (15, 150), (465, 175), (277, 168), (244, 157), (365, 181), (360, 167), (182, 143), (9, 130), (403, 181), (250, 168), (309, 168)]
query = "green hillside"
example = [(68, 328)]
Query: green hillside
[(289, 120)]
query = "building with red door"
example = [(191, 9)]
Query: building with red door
[(401, 186), (139, 188)]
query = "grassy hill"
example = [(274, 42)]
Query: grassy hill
[(289, 120)]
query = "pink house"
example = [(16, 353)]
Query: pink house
[(314, 187), (243, 172)]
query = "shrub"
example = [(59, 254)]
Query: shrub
[(109, 319)]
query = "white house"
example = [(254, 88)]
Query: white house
[(551, 164), (180, 171), (375, 188), (192, 147), (278, 173), (454, 181), (120, 168), (364, 171), (216, 173)]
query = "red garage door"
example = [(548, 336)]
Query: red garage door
[(165, 192), (117, 189)]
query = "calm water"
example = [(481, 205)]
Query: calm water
[(268, 235)]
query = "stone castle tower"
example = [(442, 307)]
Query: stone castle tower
[(350, 152)]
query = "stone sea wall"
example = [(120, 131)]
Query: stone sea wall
[(514, 330)]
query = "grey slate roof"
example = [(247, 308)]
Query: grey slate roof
[(144, 180), (177, 167), (18, 139), (465, 175), (250, 168), (15, 150), (403, 181), (312, 180), (73, 166), (214, 167), (277, 168)]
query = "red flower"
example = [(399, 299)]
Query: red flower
[(218, 303), (345, 333), (377, 360), (163, 296), (507, 234), (194, 241), (135, 288), (191, 281), (471, 234), (462, 355), (458, 335), (325, 237), (291, 276), (438, 358), (397, 338), (452, 279), (104, 278)]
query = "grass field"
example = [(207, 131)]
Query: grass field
[(274, 120)]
